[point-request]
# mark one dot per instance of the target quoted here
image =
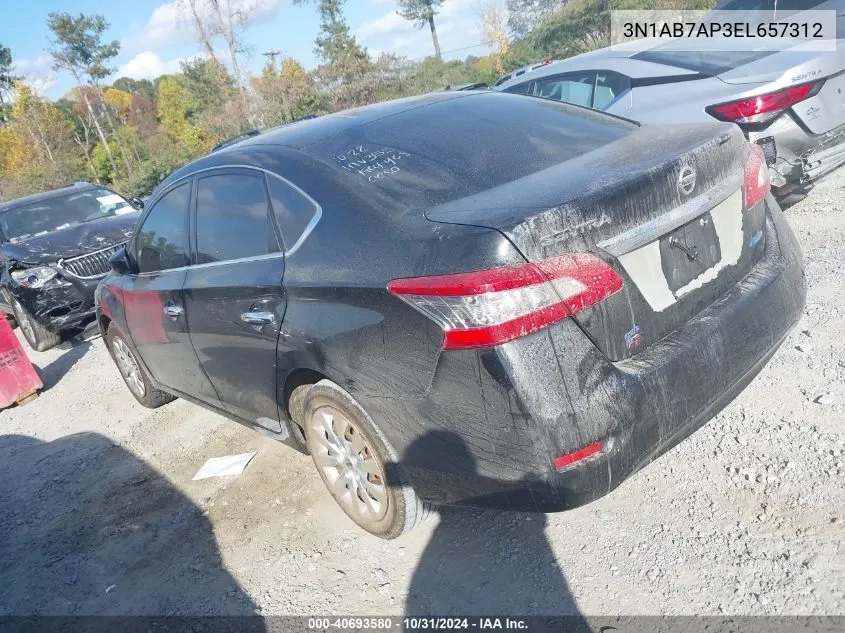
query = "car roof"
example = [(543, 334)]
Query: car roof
[(304, 133), (46, 195), (640, 60), (301, 134)]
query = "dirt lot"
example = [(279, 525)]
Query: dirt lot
[(98, 513)]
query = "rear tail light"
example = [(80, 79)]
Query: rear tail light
[(756, 181), (763, 108), (489, 307)]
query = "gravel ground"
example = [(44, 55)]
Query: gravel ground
[(98, 513)]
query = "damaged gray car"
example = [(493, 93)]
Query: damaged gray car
[(54, 249)]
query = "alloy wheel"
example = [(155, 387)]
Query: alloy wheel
[(129, 368), (349, 466), (26, 325)]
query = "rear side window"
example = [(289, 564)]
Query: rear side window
[(520, 89), (162, 241), (294, 211), (233, 219), (576, 89), (609, 86)]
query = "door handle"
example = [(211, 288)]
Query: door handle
[(173, 311), (258, 318)]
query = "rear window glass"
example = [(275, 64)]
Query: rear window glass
[(446, 151), (705, 62)]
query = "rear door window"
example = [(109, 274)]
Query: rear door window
[(233, 219), (294, 210), (521, 89), (575, 88), (162, 241), (609, 87)]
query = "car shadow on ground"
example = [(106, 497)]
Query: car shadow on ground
[(75, 343), (488, 562), (54, 371), (87, 528)]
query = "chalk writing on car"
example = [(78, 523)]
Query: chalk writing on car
[(372, 162)]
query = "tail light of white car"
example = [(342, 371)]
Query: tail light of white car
[(762, 109)]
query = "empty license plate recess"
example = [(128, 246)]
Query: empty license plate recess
[(688, 251)]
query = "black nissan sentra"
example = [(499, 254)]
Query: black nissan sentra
[(464, 298)]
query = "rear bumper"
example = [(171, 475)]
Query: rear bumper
[(802, 156), (488, 430)]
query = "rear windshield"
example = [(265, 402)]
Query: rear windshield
[(452, 149), (706, 62), (53, 214)]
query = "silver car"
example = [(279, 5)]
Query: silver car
[(791, 101)]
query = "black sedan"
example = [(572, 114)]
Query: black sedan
[(466, 298)]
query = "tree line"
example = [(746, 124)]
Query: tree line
[(129, 134)]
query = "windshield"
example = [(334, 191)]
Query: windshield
[(54, 214)]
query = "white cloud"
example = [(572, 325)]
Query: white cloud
[(148, 65), (37, 73), (170, 23), (385, 24), (457, 25)]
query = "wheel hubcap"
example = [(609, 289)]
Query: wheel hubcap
[(129, 368), (348, 465)]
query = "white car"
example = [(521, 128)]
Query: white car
[(790, 101)]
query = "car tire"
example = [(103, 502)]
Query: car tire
[(39, 337), (296, 410), (357, 464), (132, 372)]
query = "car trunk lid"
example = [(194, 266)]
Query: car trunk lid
[(663, 207)]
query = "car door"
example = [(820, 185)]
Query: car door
[(234, 299), (153, 296)]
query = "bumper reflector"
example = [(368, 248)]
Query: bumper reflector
[(565, 461)]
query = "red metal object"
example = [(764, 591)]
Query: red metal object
[(18, 380)]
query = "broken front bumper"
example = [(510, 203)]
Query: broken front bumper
[(62, 304), (494, 420)]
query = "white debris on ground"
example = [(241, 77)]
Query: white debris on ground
[(745, 517), (226, 466)]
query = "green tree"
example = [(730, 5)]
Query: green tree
[(209, 83), (525, 15), (136, 87), (174, 107), (286, 93), (78, 47), (421, 13), (7, 80)]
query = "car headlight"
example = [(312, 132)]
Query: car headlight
[(33, 277)]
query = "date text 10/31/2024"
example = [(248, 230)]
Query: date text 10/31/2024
[(419, 623)]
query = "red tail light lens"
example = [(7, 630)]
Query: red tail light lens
[(756, 183), (489, 307), (763, 108)]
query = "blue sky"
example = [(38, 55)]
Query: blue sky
[(154, 38)]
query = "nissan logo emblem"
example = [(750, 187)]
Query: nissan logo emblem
[(686, 180)]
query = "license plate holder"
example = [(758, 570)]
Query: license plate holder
[(689, 250)]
